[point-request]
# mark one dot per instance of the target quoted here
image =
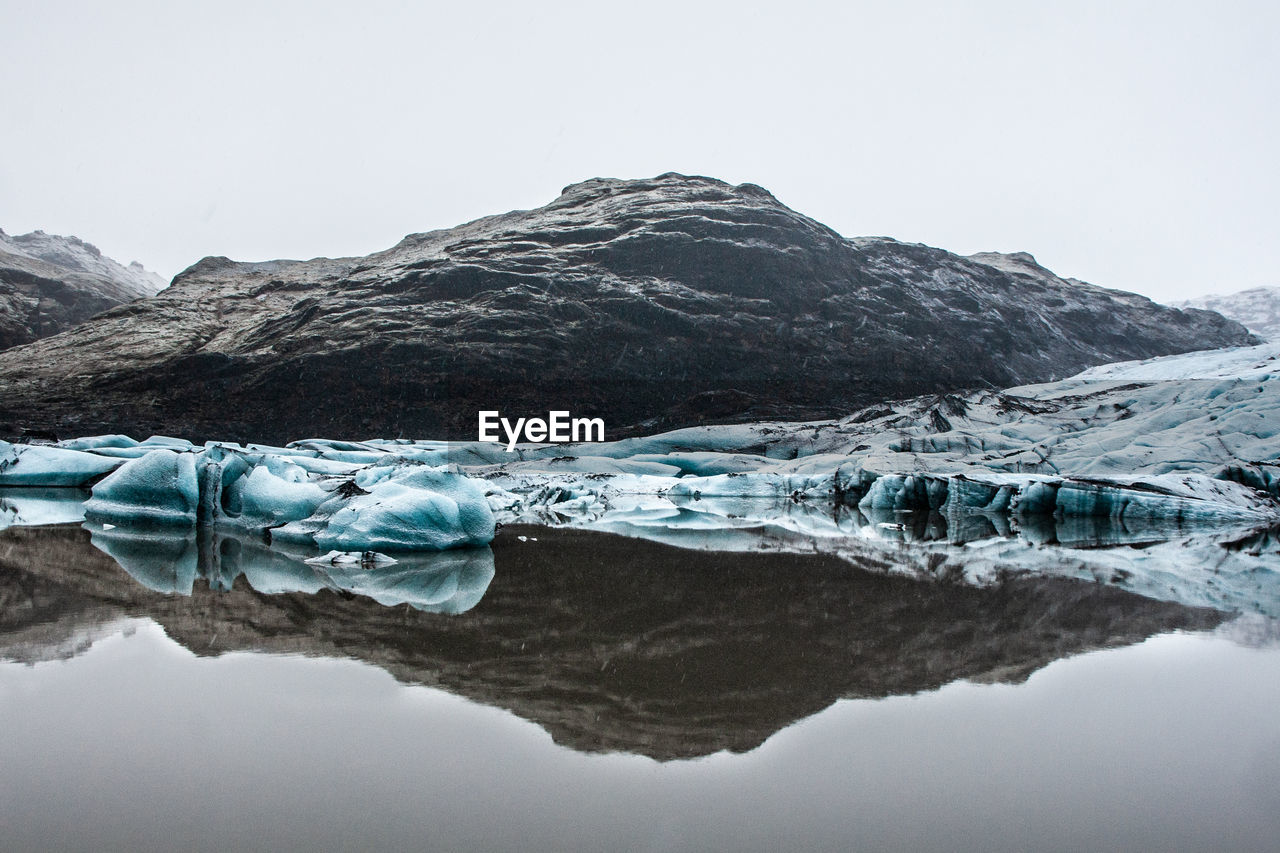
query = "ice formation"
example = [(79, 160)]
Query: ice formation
[(41, 465), (1231, 363), (394, 504), (161, 487)]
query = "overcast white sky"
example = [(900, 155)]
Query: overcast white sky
[(1132, 144)]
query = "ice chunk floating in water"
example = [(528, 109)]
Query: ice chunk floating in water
[(26, 507), (397, 505), (159, 488)]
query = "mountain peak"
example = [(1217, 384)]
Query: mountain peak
[(50, 283), (74, 255), (653, 303)]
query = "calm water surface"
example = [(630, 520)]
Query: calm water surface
[(608, 693)]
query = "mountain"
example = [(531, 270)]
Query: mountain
[(1257, 308), (50, 283), (650, 303)]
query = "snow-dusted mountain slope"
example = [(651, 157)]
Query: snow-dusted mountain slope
[(1257, 308), (74, 254), (50, 283), (657, 303)]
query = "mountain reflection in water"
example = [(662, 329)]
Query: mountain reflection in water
[(608, 643)]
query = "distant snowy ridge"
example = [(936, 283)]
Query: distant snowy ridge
[(1258, 309), (49, 284), (74, 254)]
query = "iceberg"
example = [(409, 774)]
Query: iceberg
[(396, 505), (261, 491), (159, 488)]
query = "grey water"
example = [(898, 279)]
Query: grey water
[(569, 690)]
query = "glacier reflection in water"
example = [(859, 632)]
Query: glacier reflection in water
[(170, 561), (1232, 566)]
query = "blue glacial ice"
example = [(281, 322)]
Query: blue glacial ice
[(158, 488), (393, 505), (58, 467), (397, 507)]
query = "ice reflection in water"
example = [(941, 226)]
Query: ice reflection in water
[(171, 561), (1231, 566)]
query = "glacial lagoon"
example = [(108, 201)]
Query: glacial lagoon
[(576, 689)]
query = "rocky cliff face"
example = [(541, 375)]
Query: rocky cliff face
[(1257, 308), (50, 283), (650, 303)]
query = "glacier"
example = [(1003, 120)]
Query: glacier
[(1141, 470)]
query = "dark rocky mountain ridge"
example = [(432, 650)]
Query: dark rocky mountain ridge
[(50, 283), (651, 303)]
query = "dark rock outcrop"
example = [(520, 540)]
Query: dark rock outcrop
[(650, 303), (49, 284), (611, 643)]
